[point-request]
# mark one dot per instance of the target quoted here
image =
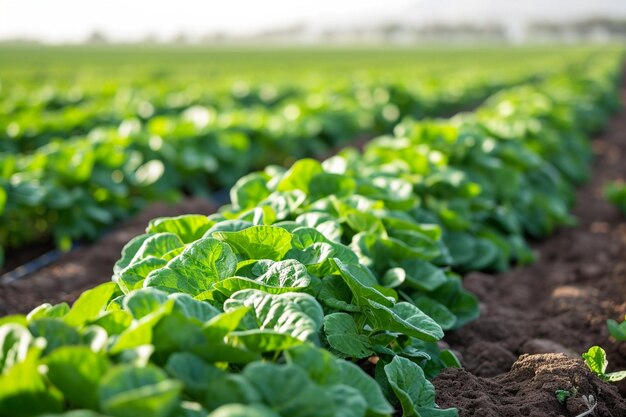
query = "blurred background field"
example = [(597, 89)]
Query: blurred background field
[(108, 106)]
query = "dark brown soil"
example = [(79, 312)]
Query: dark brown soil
[(18, 257), (529, 390), (87, 266), (560, 304)]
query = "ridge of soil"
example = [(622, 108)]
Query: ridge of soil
[(528, 389), (559, 304), (89, 265)]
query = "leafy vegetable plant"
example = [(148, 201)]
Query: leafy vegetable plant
[(595, 358)]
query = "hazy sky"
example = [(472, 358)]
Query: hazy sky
[(74, 20), (67, 20)]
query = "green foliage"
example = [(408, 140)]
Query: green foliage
[(267, 307), (596, 360), (617, 330), (76, 160), (562, 394)]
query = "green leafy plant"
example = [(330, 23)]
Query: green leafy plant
[(596, 360), (562, 394), (267, 307)]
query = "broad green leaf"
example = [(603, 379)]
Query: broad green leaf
[(228, 226), (56, 332), (157, 246), (325, 184), (361, 283), (462, 303), (94, 337), (405, 318), (268, 276), (49, 311), (422, 275), (90, 304), (15, 341), (249, 191), (410, 386), (219, 326), (229, 286), (349, 402), (14, 319), (126, 391), (193, 372), (142, 302), (129, 251), (257, 216), (258, 242), (136, 356), (75, 413), (176, 332), (193, 271), (615, 376), (3, 200), (595, 358), (354, 376), (399, 220), (132, 277), (139, 333), (438, 312), (324, 223), (23, 391), (314, 250), (320, 364), (76, 372), (198, 310), (238, 410), (295, 314), (289, 391), (228, 389), (299, 176), (287, 273), (394, 277), (282, 204), (188, 227), (344, 337), (336, 294), (114, 322), (264, 340)]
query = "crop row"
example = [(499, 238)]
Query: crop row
[(323, 289), (147, 145)]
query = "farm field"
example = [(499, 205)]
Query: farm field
[(394, 217), (84, 148)]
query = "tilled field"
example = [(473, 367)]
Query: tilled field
[(557, 306), (535, 321)]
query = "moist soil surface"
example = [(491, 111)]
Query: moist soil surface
[(558, 305), (536, 320)]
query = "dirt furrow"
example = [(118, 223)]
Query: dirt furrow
[(557, 305)]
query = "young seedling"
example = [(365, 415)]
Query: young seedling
[(595, 358), (562, 394)]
